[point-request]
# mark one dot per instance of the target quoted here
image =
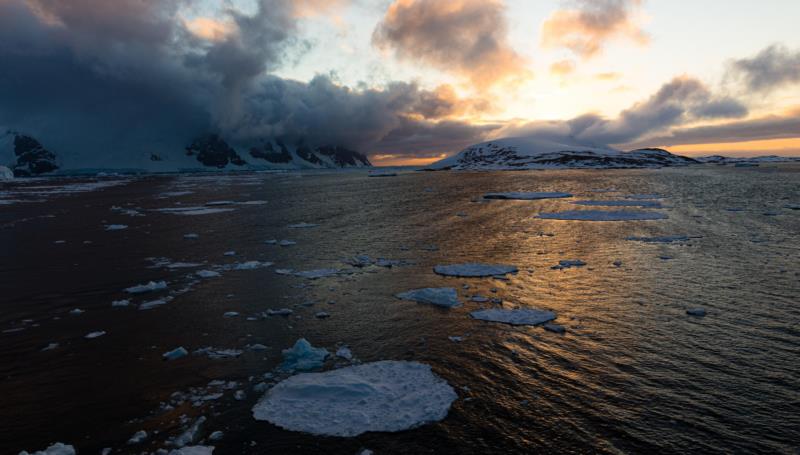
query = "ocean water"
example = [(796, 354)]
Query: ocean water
[(632, 374)]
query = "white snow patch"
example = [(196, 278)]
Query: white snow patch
[(386, 396), (443, 297), (528, 316)]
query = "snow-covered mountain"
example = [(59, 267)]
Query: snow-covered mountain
[(538, 153), (25, 156)]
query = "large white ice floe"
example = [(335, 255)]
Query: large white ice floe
[(472, 270), (523, 316), (602, 215), (58, 448), (526, 196), (625, 203), (443, 297), (303, 357), (384, 396), (149, 287)]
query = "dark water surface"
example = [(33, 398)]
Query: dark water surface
[(633, 374)]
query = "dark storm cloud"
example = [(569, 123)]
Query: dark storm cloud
[(772, 127), (101, 79), (772, 68), (467, 37), (678, 102)]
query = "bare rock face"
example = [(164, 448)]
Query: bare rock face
[(213, 151), (32, 158), (344, 157), (272, 154)]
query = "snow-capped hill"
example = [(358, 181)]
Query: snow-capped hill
[(213, 151), (25, 156), (537, 153)]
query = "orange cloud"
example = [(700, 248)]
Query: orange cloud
[(586, 29), (210, 29), (562, 68), (465, 37)]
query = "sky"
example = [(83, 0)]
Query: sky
[(405, 81)]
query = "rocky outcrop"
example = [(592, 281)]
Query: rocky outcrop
[(343, 157), (32, 158), (267, 152), (213, 151)]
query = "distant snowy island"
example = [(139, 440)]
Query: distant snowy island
[(522, 153)]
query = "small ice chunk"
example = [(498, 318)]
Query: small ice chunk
[(193, 450), (555, 328), (150, 304), (231, 314), (287, 243), (76, 311), (303, 225), (138, 437), (58, 448), (386, 396), (568, 263), (239, 395), (149, 287), (96, 334), (303, 357), (456, 339), (207, 274), (271, 242), (527, 316), (602, 215), (443, 297), (472, 270), (526, 196), (191, 434), (479, 299), (215, 353), (284, 271), (696, 312), (116, 227), (344, 353), (256, 347), (50, 347), (317, 273), (176, 353), (280, 312), (191, 236), (251, 265), (120, 303), (216, 436), (322, 315), (229, 253)]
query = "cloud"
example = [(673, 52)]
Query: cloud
[(772, 68), (678, 102), (107, 82), (562, 68), (764, 128), (466, 37), (587, 25)]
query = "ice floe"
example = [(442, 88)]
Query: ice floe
[(602, 215), (317, 273), (344, 353), (150, 304), (386, 396), (628, 203), (216, 353), (280, 312), (50, 347), (443, 297), (58, 448), (176, 353), (526, 196), (138, 438), (287, 243), (555, 328), (116, 227), (193, 450), (568, 263), (303, 357), (523, 316), (251, 265), (96, 334), (207, 274), (149, 287), (473, 270)]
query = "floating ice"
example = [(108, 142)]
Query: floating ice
[(50, 347), (229, 253), (344, 353), (216, 436), (149, 287), (251, 265), (215, 353), (230, 314), (474, 270), (191, 434), (303, 225), (97, 334), (138, 437), (568, 263), (176, 353), (602, 215), (193, 211), (555, 328), (696, 312), (443, 297), (55, 449), (322, 315), (183, 265), (116, 227), (284, 271), (386, 396), (191, 236), (527, 316), (149, 305), (287, 243), (207, 274), (455, 339), (526, 196), (629, 203), (318, 273), (76, 311), (281, 312), (303, 357), (193, 450), (479, 299)]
